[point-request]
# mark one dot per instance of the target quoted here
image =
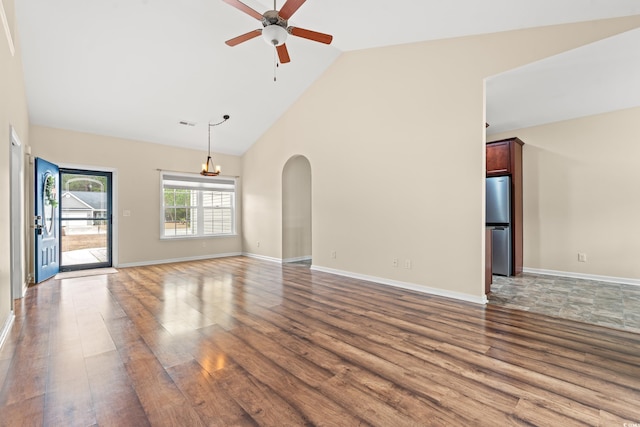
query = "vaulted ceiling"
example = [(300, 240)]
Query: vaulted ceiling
[(136, 68)]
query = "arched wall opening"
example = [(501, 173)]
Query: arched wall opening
[(296, 210)]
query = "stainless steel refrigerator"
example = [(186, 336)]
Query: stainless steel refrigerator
[(499, 218)]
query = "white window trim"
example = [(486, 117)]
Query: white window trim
[(199, 178)]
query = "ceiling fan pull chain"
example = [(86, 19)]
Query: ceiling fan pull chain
[(275, 65)]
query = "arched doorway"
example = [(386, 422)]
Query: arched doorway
[(296, 210)]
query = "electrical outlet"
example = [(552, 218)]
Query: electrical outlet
[(333, 254), (258, 243), (407, 264), (582, 257), (394, 263)]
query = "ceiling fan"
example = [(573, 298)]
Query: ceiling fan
[(275, 27)]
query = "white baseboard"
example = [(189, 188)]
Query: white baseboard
[(405, 285), (572, 275), (298, 259), (167, 261), (4, 332), (262, 257)]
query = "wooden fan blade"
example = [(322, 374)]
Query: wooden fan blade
[(243, 38), (311, 35), (290, 8), (243, 7), (283, 53)]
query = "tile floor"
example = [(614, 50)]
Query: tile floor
[(600, 303)]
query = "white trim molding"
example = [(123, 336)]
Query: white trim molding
[(297, 259), (4, 332), (168, 261), (405, 285), (262, 257), (7, 30), (572, 275), (18, 220)]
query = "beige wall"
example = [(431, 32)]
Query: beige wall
[(13, 112), (395, 138), (138, 189), (581, 180), (296, 209)]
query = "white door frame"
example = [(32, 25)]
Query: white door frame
[(114, 202), (17, 219)]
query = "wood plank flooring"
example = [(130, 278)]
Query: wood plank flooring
[(243, 342)]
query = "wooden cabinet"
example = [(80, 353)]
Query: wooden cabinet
[(504, 157), (498, 158)]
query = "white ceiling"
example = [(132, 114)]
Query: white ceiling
[(135, 68), (600, 77)]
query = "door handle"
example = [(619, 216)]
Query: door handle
[(38, 227)]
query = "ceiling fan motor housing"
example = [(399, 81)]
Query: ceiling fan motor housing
[(275, 28)]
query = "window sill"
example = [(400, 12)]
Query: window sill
[(216, 236)]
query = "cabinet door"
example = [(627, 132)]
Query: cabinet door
[(498, 158)]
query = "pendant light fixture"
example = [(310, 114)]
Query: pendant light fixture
[(208, 169)]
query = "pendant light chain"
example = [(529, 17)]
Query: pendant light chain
[(224, 119), (209, 164)]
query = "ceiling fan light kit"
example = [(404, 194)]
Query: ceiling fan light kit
[(274, 35), (208, 169), (275, 27)]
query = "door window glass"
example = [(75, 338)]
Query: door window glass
[(49, 202)]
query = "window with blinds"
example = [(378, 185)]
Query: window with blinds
[(197, 206)]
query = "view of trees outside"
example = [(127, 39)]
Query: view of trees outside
[(181, 212), (180, 207), (74, 182)]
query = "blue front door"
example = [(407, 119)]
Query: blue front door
[(47, 225)]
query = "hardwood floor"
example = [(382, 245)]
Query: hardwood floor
[(238, 341)]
